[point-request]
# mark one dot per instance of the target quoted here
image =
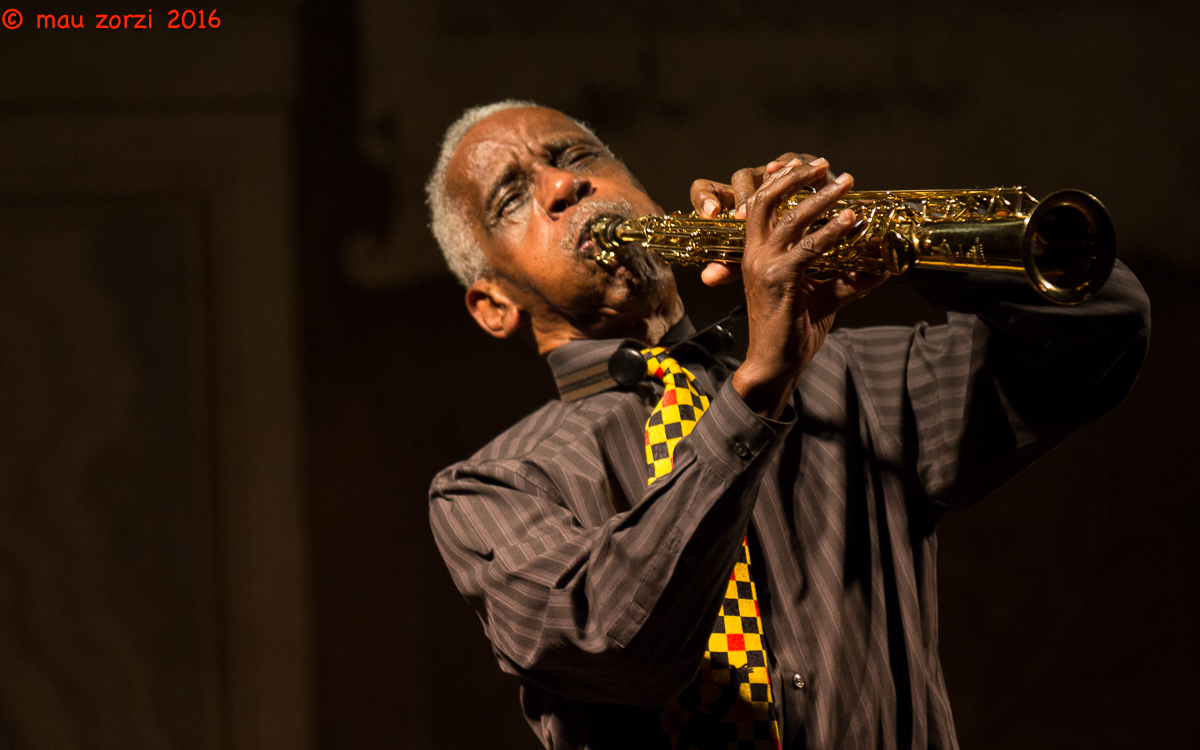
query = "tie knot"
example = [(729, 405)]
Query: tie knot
[(659, 363), (680, 408)]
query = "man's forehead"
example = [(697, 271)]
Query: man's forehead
[(498, 141)]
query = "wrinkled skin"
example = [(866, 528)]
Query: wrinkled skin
[(530, 180)]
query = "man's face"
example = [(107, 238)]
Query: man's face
[(530, 182)]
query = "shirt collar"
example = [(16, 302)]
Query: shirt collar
[(581, 367)]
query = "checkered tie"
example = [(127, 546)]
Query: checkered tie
[(728, 705)]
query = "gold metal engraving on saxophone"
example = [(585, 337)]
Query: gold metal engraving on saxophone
[(1064, 244)]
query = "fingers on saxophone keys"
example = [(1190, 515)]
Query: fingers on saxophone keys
[(821, 240), (744, 183), (779, 163), (710, 198), (819, 203), (786, 182), (826, 179)]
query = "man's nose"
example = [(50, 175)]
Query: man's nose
[(558, 190)]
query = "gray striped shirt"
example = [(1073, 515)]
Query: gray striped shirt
[(600, 592)]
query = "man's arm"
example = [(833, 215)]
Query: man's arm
[(615, 610), (984, 396), (788, 314), (971, 403)]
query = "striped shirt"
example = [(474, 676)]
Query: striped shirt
[(600, 592)]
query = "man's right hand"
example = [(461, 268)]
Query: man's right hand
[(789, 314), (710, 198)]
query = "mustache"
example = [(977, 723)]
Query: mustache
[(577, 229)]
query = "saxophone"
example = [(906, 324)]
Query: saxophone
[(1064, 244)]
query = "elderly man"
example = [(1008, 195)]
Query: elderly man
[(722, 553)]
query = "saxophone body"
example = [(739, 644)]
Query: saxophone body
[(1064, 244)]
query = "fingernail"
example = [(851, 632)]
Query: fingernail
[(843, 178), (846, 216), (793, 162), (740, 212), (710, 207), (822, 162)]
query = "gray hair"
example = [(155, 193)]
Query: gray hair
[(446, 220)]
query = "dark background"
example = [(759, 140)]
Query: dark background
[(231, 360)]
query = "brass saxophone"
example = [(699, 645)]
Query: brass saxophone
[(1064, 244)]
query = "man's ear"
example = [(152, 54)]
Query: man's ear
[(493, 309)]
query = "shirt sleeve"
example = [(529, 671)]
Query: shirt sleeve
[(963, 407), (620, 611)]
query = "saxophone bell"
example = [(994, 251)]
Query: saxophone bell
[(1069, 247)]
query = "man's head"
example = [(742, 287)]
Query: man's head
[(511, 199)]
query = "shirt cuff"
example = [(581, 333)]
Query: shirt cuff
[(730, 437)]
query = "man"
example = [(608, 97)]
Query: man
[(819, 465)]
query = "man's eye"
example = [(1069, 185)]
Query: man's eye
[(509, 203), (578, 156)]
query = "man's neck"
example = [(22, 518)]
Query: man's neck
[(648, 330)]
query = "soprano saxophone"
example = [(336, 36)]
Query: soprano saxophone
[(1064, 244)]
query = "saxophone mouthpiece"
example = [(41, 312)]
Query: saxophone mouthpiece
[(609, 233)]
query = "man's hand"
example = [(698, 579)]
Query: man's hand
[(790, 314), (710, 198)]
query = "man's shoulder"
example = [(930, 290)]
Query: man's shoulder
[(526, 436), (508, 455), (546, 431), (558, 438)]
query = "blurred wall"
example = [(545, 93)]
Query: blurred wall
[(234, 361), (153, 581)]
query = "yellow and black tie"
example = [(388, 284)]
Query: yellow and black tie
[(728, 705)]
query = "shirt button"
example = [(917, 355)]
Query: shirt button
[(798, 682), (740, 449)]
